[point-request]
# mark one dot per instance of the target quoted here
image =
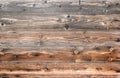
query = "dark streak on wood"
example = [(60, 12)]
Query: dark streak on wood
[(59, 39)]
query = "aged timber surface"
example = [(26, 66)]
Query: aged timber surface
[(32, 39), (59, 38), (66, 22), (52, 7)]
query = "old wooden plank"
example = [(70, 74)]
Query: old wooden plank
[(55, 44), (61, 50), (78, 54), (60, 7), (64, 36), (112, 75), (102, 56), (58, 22), (57, 76), (42, 66), (59, 39)]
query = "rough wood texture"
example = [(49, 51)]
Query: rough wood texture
[(59, 38), (59, 76)]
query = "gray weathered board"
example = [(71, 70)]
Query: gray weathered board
[(59, 38)]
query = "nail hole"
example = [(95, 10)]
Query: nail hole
[(60, 6), (98, 69), (118, 71), (17, 75), (116, 20), (28, 69), (68, 16), (10, 70), (108, 6), (45, 1), (66, 26), (34, 5), (2, 24), (0, 6), (104, 2), (115, 70), (117, 4), (35, 54), (117, 40), (24, 9), (111, 69)]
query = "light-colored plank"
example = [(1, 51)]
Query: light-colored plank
[(22, 22)]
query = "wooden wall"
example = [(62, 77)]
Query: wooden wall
[(59, 38)]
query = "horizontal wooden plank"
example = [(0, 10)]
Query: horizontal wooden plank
[(58, 76), (59, 39), (62, 57), (64, 22), (64, 36), (53, 75), (60, 7), (63, 50), (56, 44), (74, 1), (76, 54), (49, 66)]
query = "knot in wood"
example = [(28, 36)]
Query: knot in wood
[(76, 51), (66, 26)]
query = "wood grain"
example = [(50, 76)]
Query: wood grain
[(59, 39), (66, 22)]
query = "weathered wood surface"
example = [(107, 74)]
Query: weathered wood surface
[(61, 7), (32, 22), (51, 66), (104, 53), (59, 39), (59, 76)]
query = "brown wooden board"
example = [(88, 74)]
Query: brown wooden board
[(59, 39)]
